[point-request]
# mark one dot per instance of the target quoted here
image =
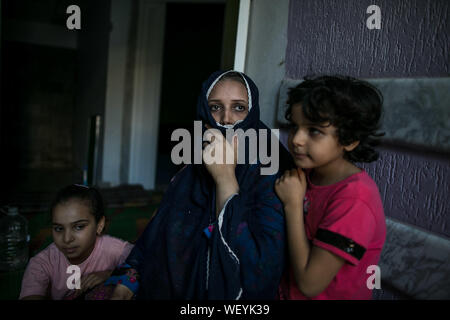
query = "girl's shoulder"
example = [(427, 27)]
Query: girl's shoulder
[(49, 252), (359, 187), (110, 251), (352, 185), (112, 244), (48, 257), (360, 184), (110, 240)]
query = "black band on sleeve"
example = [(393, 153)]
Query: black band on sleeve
[(345, 244)]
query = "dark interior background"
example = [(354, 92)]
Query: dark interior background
[(52, 83), (50, 92)]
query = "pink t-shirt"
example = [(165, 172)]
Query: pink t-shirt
[(347, 219), (46, 273)]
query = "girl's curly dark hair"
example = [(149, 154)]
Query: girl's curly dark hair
[(353, 106)]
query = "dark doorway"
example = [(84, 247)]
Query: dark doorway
[(38, 99), (52, 82), (192, 51)]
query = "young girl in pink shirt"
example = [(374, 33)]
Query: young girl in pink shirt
[(77, 223), (334, 214)]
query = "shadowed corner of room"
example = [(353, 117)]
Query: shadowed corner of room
[(80, 80)]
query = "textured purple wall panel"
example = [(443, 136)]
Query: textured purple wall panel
[(414, 187), (330, 36)]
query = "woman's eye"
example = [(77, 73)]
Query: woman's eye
[(57, 229), (214, 108), (239, 108)]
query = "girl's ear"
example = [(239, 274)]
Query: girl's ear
[(100, 225), (351, 146)]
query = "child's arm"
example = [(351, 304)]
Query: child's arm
[(314, 268), (122, 292), (93, 279), (36, 280), (126, 281)]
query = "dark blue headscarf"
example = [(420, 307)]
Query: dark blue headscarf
[(244, 255)]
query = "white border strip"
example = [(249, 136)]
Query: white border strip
[(241, 37), (219, 224), (207, 267)]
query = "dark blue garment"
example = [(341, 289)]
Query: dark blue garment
[(244, 255)]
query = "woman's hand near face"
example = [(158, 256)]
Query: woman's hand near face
[(223, 173), (220, 157)]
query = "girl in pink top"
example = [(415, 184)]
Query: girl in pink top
[(78, 220), (334, 214)]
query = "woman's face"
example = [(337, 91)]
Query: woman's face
[(228, 102), (75, 230)]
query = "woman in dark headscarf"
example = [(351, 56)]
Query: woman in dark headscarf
[(219, 232)]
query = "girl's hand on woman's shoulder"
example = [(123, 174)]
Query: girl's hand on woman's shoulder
[(122, 292), (93, 279), (291, 188)]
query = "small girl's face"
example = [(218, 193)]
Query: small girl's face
[(313, 145), (228, 102), (75, 230)]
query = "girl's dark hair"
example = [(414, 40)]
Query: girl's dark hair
[(353, 106), (88, 195)]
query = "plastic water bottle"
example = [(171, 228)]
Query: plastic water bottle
[(14, 240)]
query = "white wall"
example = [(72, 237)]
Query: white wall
[(115, 91), (266, 50), (131, 120), (146, 93)]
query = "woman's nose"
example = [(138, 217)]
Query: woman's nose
[(227, 117)]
